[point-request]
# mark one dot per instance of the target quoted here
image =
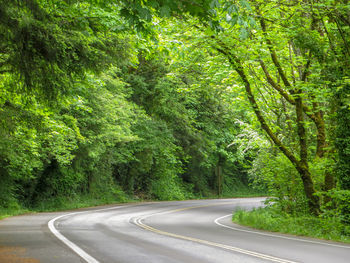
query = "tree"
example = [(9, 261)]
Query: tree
[(47, 46), (294, 41)]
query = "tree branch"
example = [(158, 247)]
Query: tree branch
[(234, 61), (273, 55), (275, 85), (306, 69), (286, 95), (300, 165)]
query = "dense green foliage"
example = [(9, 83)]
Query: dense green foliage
[(93, 110), (106, 100), (343, 137)]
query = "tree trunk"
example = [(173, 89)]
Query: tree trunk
[(218, 171), (312, 199), (321, 152), (300, 165)]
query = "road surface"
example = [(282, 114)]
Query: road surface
[(197, 231)]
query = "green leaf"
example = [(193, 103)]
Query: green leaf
[(165, 11)]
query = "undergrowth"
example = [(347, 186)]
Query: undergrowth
[(7, 212), (62, 203), (75, 202), (269, 219)]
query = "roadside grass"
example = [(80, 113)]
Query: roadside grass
[(67, 203), (238, 191), (236, 194), (81, 201), (243, 193), (270, 220), (63, 203), (7, 212)]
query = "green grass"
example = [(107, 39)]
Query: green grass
[(62, 203), (233, 192), (270, 220), (232, 195), (68, 203), (7, 212)]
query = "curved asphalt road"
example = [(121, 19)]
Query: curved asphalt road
[(196, 231)]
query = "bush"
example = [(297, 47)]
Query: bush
[(272, 220), (282, 181), (339, 206)]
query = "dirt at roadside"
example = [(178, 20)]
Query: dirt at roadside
[(15, 255)]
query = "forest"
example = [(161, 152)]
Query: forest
[(113, 100)]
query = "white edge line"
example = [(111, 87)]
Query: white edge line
[(216, 221), (70, 244), (138, 222)]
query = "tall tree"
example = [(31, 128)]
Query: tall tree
[(291, 41)]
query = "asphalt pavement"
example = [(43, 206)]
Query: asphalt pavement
[(181, 231)]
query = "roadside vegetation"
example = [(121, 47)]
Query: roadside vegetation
[(115, 100), (270, 219)]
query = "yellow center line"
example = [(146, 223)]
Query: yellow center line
[(139, 223)]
